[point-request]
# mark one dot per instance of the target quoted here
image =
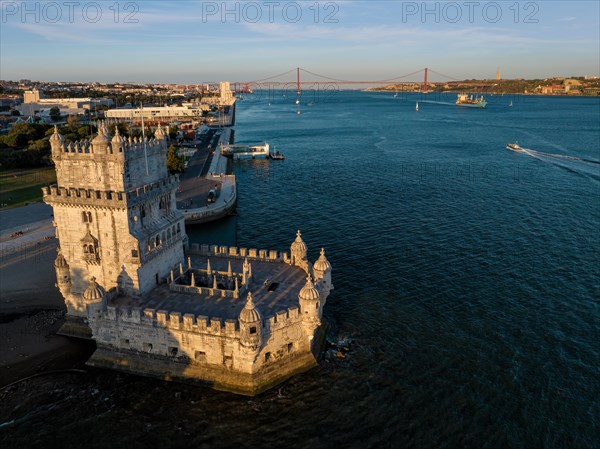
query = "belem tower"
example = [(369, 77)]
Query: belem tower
[(237, 319)]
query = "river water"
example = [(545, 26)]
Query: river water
[(468, 277)]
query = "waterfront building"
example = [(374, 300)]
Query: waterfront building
[(34, 103), (239, 319)]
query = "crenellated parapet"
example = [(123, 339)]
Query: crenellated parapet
[(150, 191), (173, 321), (102, 146), (234, 252), (84, 197), (109, 162)]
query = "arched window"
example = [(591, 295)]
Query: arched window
[(157, 242), (86, 217), (178, 228)]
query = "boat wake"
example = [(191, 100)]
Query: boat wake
[(579, 165)]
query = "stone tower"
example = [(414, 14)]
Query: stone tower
[(115, 216)]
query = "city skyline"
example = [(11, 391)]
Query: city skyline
[(193, 42)]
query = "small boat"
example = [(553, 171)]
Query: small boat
[(417, 106), (396, 94), (510, 104), (276, 155), (297, 101), (514, 147)]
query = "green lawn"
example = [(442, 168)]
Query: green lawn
[(21, 186)]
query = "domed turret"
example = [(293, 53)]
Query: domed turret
[(117, 141), (57, 142), (250, 324), (101, 141), (94, 292), (310, 305), (63, 273), (250, 313), (160, 133), (322, 264), (322, 271), (56, 136), (309, 292), (94, 299), (298, 252)]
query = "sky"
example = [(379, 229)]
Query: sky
[(207, 41)]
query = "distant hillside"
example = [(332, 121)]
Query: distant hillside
[(562, 86)]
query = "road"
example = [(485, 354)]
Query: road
[(193, 189)]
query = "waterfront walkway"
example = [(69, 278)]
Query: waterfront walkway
[(205, 172)]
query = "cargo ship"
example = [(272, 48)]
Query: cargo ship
[(469, 101)]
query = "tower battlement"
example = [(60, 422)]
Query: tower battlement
[(109, 162)]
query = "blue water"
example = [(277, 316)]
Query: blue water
[(467, 275)]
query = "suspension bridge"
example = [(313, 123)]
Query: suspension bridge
[(302, 78)]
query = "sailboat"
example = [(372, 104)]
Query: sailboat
[(417, 106), (396, 94), (510, 104)]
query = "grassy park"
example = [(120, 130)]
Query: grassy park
[(21, 186)]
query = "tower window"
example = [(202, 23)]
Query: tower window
[(134, 253), (253, 330), (86, 217)]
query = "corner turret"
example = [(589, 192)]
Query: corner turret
[(310, 305), (101, 143), (322, 271), (250, 321), (117, 142), (57, 142), (298, 253), (63, 273)]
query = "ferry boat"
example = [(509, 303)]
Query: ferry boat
[(469, 101), (514, 147), (238, 152)]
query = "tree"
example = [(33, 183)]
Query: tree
[(55, 114), (123, 129), (73, 122), (174, 161), (173, 132)]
